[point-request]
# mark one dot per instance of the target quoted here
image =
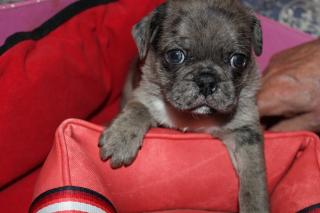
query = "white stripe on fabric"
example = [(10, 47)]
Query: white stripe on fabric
[(71, 206)]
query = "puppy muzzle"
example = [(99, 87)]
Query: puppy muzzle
[(207, 83)]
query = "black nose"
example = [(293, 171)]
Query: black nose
[(206, 83)]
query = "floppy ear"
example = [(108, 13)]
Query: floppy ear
[(146, 30), (257, 36)]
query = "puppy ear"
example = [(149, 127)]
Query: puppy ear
[(146, 30), (257, 36)]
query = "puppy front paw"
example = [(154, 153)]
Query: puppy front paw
[(120, 145)]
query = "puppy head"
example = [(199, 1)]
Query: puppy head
[(199, 52)]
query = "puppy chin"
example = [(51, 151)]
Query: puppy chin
[(208, 110), (203, 110)]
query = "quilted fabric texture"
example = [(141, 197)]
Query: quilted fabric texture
[(77, 70), (181, 171)]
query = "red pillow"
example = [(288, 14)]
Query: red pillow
[(72, 66), (173, 171)]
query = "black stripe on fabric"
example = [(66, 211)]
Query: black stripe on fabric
[(71, 188), (311, 209), (53, 23)]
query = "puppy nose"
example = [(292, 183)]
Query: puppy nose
[(206, 83)]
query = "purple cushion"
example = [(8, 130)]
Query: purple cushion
[(27, 15), (278, 37)]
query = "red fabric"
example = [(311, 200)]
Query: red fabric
[(76, 71), (17, 197), (181, 171)]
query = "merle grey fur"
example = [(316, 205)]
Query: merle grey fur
[(9, 1), (204, 93)]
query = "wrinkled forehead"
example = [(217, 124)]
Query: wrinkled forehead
[(206, 27)]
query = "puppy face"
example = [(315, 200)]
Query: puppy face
[(199, 52)]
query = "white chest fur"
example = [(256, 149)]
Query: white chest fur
[(168, 116)]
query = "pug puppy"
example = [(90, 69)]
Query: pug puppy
[(199, 74)]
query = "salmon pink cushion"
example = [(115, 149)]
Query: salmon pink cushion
[(173, 171)]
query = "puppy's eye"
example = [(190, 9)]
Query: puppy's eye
[(238, 61), (175, 56)]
